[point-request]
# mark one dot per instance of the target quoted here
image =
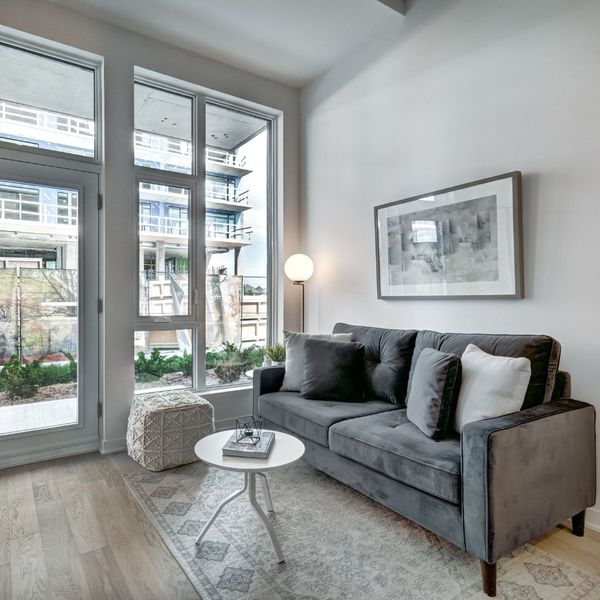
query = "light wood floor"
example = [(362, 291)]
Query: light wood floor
[(69, 529)]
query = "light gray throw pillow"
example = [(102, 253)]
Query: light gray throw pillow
[(492, 386), (434, 389), (294, 356)]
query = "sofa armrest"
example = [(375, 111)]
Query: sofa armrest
[(265, 380), (524, 473)]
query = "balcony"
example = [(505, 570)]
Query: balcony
[(30, 126), (173, 229), (224, 197), (221, 162), (31, 217)]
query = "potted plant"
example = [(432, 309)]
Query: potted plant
[(277, 354)]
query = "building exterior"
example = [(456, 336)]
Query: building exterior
[(39, 230)]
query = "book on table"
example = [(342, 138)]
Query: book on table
[(259, 450)]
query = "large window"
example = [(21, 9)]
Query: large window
[(46, 102), (203, 239)]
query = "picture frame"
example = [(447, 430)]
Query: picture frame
[(463, 241)]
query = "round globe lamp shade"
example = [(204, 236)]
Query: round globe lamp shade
[(299, 267)]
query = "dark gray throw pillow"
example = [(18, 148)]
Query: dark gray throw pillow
[(435, 384), (333, 370)]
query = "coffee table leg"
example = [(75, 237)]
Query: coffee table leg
[(259, 511), (266, 492), (221, 507)]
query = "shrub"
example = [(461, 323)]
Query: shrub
[(212, 359), (51, 374), (253, 356), (229, 370), (155, 364), (20, 380), (179, 364)]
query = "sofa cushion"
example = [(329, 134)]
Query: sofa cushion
[(492, 386), (542, 351), (333, 370), (434, 392), (390, 444), (312, 418), (388, 354), (294, 356)]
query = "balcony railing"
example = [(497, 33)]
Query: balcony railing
[(14, 209), (221, 192), (180, 226), (223, 231), (175, 146), (215, 191), (45, 119), (222, 157)]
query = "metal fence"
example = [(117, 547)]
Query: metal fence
[(38, 312)]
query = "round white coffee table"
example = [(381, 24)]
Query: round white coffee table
[(286, 450)]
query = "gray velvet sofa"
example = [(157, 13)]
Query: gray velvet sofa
[(500, 484)]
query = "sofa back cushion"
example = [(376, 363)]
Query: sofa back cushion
[(388, 354), (333, 370), (542, 351)]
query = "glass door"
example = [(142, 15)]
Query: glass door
[(48, 308)]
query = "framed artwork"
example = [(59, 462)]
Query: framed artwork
[(461, 242)]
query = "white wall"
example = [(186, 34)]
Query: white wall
[(122, 50), (463, 90)]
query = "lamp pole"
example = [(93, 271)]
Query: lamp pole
[(299, 269), (301, 284)]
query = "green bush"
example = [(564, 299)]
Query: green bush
[(20, 380), (229, 370), (155, 364), (179, 364), (232, 361), (212, 359), (253, 356), (51, 374)]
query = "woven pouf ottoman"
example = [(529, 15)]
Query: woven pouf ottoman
[(163, 428)]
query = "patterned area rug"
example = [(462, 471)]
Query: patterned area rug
[(338, 544)]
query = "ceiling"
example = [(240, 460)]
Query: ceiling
[(291, 41), (41, 82), (166, 113)]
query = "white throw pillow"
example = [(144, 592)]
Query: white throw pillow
[(294, 356), (491, 386)]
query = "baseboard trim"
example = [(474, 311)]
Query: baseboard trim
[(113, 446), (592, 519), (48, 454)]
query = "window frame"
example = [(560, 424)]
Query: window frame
[(196, 182), (82, 59), (193, 182)]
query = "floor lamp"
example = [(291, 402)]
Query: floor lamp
[(299, 269)]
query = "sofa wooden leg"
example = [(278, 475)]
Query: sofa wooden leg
[(578, 522), (488, 576)]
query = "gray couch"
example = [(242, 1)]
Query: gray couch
[(501, 483)]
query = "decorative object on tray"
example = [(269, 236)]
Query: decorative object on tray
[(260, 449), (248, 439), (248, 430), (463, 241)]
